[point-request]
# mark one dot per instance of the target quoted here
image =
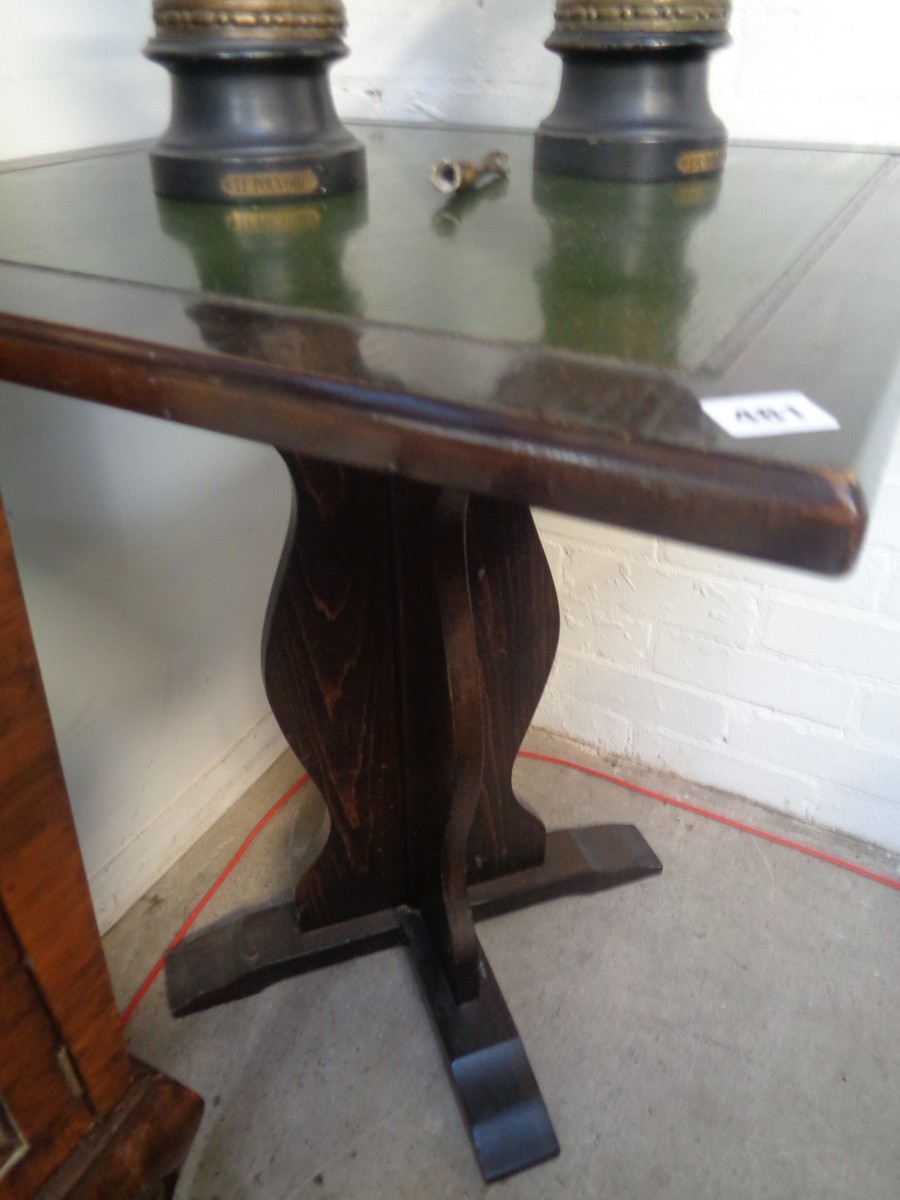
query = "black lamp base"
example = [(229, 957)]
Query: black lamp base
[(251, 126), (258, 178), (633, 115)]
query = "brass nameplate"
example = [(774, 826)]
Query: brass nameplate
[(264, 185), (291, 220), (700, 162)]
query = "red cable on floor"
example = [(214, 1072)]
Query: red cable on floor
[(712, 816), (787, 843), (211, 891)]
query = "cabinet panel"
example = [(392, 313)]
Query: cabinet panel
[(43, 888), (41, 1117)]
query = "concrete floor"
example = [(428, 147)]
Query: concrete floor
[(729, 1030)]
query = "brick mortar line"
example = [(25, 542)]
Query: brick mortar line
[(738, 705), (764, 654), (825, 785)]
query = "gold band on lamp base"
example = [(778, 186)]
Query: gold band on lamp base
[(310, 20), (638, 22)]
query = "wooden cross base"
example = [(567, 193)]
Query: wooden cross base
[(411, 634)]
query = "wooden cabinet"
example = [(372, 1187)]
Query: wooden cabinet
[(71, 1099), (45, 1112)]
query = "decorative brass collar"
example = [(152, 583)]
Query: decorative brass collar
[(306, 20), (686, 16)]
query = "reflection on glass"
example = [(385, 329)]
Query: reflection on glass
[(449, 218), (722, 259), (291, 256), (617, 282)]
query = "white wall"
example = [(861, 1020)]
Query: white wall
[(810, 70), (147, 552), (767, 682), (761, 681), (72, 75)]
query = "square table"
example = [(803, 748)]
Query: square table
[(429, 369)]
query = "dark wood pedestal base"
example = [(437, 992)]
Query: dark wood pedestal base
[(411, 634)]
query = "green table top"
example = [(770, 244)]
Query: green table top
[(545, 317)]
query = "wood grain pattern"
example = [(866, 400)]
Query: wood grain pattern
[(32, 1083), (329, 667), (442, 718), (43, 888), (139, 1150), (517, 625), (404, 671)]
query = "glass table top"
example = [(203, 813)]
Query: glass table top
[(575, 325), (666, 275)]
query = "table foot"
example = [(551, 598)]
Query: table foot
[(594, 858), (246, 953), (498, 1094)]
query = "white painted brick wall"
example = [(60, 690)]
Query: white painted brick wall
[(752, 677), (880, 718), (891, 605), (778, 685), (848, 642)]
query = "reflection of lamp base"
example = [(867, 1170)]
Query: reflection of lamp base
[(639, 115), (617, 282), (287, 254), (250, 125)]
